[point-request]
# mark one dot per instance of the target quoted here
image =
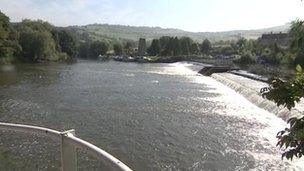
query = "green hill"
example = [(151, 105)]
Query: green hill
[(113, 33)]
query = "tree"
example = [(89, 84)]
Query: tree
[(273, 54), (97, 48), (172, 47), (297, 33), (176, 47), (9, 47), (241, 43), (32, 45), (117, 49), (297, 45), (246, 58), (4, 26), (154, 49), (128, 48), (37, 41), (185, 45), (83, 50), (287, 94), (206, 46), (163, 42), (194, 48), (67, 43)]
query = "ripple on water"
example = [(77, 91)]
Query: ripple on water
[(151, 116)]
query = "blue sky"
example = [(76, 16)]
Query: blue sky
[(190, 15)]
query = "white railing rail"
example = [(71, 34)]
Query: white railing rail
[(69, 144)]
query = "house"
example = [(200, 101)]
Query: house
[(281, 39)]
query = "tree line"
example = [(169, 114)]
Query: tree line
[(174, 46), (37, 41), (252, 51), (33, 41)]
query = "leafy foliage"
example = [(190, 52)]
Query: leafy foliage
[(194, 49), (287, 94), (297, 45), (117, 49), (154, 49), (246, 58), (185, 43), (9, 46), (83, 50), (66, 41), (297, 32), (206, 46), (129, 48), (241, 44), (97, 48), (173, 46), (35, 41)]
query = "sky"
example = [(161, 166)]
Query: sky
[(189, 15)]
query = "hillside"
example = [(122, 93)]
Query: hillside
[(113, 33)]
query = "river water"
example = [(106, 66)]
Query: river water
[(150, 116)]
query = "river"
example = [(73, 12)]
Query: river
[(150, 116)]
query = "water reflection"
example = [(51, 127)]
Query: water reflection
[(39, 74)]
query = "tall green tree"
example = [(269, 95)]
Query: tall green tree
[(97, 48), (66, 41), (163, 42), (129, 48), (185, 45), (297, 33), (83, 50), (297, 45), (194, 49), (176, 47), (154, 49), (206, 47), (170, 47), (9, 47), (37, 41)]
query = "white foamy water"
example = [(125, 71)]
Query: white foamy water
[(265, 125)]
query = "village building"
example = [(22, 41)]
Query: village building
[(281, 39)]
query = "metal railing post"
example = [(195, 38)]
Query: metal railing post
[(68, 152), (69, 145)]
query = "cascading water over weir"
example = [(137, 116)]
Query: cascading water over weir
[(249, 86)]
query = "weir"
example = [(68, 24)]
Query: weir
[(209, 70), (253, 94)]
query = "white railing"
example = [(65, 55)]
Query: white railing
[(69, 144)]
